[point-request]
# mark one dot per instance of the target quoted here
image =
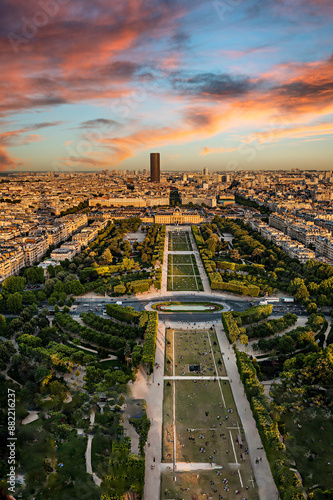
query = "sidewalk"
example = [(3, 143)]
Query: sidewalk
[(146, 387), (164, 282)]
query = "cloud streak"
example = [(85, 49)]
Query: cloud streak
[(95, 55)]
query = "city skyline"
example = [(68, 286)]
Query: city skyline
[(227, 85)]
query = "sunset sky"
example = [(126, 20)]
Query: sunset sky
[(229, 84)]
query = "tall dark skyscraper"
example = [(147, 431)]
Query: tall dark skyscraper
[(155, 173)]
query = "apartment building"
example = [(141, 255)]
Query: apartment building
[(324, 247), (62, 254), (12, 260), (279, 221), (305, 232), (34, 249)]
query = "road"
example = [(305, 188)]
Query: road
[(84, 304)]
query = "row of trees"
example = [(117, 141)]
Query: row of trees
[(253, 314), (69, 325), (309, 282), (285, 479), (152, 247), (271, 327), (299, 338), (109, 327), (149, 346), (210, 247)]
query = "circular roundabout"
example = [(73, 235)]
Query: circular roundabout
[(190, 307)]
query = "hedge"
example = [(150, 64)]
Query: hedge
[(108, 326), (68, 324), (139, 286), (226, 265), (149, 346), (197, 236), (230, 327), (254, 314), (239, 288), (119, 289), (100, 270), (123, 314)]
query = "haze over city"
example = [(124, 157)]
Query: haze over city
[(225, 85)]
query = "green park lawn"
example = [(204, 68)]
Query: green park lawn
[(168, 436), (186, 283), (179, 242), (204, 408), (168, 361), (183, 270), (181, 259), (183, 274), (200, 341)]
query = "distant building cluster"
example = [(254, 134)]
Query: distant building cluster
[(292, 248), (33, 208), (23, 251)]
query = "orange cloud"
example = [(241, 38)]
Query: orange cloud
[(299, 132), (208, 151), (112, 51)]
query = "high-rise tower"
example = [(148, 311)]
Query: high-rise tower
[(155, 172)]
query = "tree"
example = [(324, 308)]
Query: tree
[(14, 284), (127, 249), (136, 355), (34, 275), (58, 288), (302, 293), (14, 302), (211, 244), (51, 271), (2, 323), (74, 287), (107, 255), (312, 307), (244, 338), (127, 264), (257, 253), (299, 289), (41, 296), (29, 298), (52, 300), (234, 254), (49, 286)]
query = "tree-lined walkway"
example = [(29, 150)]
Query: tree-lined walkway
[(203, 275), (150, 388)]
